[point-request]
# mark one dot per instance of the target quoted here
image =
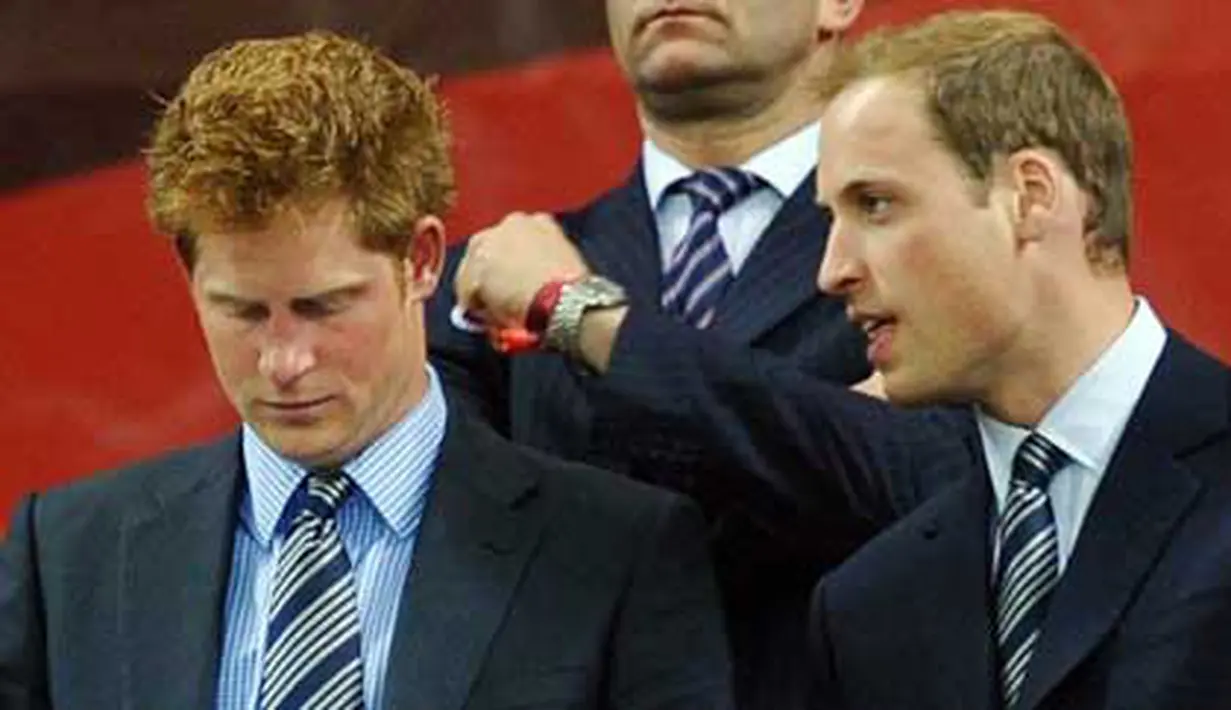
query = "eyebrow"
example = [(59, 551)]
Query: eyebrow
[(337, 293), (849, 189), (856, 187), (224, 298)]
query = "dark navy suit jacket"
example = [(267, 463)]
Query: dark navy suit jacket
[(1141, 616), (535, 583), (766, 556), (1141, 619)]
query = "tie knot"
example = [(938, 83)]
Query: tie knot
[(718, 189), (326, 492), (1037, 460)]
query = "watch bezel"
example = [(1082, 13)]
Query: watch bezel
[(588, 293)]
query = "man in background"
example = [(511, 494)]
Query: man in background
[(716, 229), (358, 542)]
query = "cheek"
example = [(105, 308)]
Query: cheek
[(785, 30), (231, 350), (978, 317), (965, 286), (979, 301), (619, 25), (364, 353)]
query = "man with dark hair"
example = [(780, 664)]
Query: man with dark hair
[(359, 542)]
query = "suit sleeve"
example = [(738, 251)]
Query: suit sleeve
[(23, 671), (802, 439), (473, 373), (670, 645), (826, 693)]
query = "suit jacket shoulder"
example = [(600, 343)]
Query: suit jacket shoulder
[(105, 497), (97, 575), (1129, 623), (553, 582)]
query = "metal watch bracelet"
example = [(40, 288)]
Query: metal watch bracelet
[(564, 325)]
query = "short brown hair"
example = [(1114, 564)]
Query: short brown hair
[(262, 124), (997, 82)]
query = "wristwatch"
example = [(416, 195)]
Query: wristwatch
[(577, 297)]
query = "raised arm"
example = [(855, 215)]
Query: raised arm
[(816, 451)]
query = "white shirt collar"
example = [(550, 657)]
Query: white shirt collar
[(1089, 418), (784, 165)]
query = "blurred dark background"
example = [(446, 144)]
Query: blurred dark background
[(77, 77)]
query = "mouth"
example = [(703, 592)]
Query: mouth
[(672, 12), (871, 325), (878, 329), (294, 406)]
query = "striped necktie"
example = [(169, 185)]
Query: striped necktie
[(312, 654), (699, 271), (1029, 563)]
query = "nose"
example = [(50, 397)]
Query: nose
[(841, 268), (287, 352)]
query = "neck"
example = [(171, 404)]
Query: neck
[(1072, 333), (731, 128)]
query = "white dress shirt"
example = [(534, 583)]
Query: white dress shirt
[(784, 166), (1086, 422)]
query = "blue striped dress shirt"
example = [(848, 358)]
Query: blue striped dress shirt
[(379, 526)]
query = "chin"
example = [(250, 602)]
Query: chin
[(683, 68)]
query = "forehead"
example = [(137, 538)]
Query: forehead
[(299, 248), (876, 128), (289, 230)]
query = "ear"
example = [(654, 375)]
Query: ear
[(834, 17), (1035, 181), (425, 259)]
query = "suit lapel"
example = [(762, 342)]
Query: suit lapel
[(780, 274), (1144, 495), (479, 530), (175, 558), (619, 239), (952, 598)]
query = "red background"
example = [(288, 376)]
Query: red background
[(100, 360)]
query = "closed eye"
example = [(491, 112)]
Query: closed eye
[(240, 309), (315, 308), (326, 304), (249, 312)]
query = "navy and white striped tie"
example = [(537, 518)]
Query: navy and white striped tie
[(1029, 563), (699, 271), (312, 653)]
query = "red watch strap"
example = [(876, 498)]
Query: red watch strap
[(543, 304)]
